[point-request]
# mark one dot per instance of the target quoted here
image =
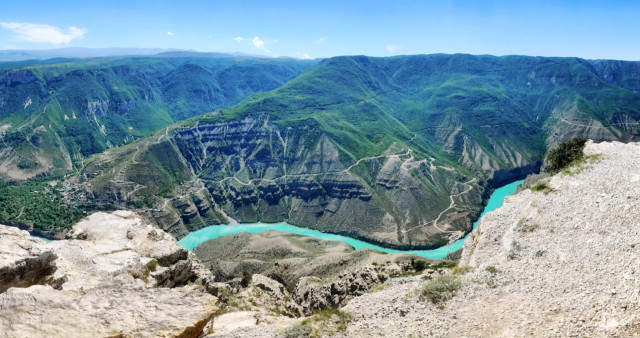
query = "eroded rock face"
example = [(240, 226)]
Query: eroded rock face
[(257, 171), (115, 276), (24, 261), (254, 169), (312, 294), (270, 298)]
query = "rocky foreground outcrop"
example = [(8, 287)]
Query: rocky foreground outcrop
[(113, 276), (23, 262), (560, 263)]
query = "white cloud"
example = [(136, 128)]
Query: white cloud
[(37, 33), (259, 44), (304, 56), (169, 33), (392, 48), (239, 38), (322, 39)]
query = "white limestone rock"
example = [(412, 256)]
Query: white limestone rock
[(106, 273)]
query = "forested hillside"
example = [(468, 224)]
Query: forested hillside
[(55, 113)]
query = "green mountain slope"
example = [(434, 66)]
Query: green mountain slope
[(54, 113), (400, 151)]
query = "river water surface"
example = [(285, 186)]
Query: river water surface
[(198, 237)]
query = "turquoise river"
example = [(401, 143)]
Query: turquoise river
[(198, 237)]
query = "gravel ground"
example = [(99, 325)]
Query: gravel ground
[(566, 264)]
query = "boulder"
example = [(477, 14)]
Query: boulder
[(114, 275), (24, 260)]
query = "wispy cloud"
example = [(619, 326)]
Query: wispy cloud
[(322, 39), (259, 44), (38, 33), (392, 48), (169, 33), (239, 38)]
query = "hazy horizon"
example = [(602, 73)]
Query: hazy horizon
[(585, 29), (49, 53)]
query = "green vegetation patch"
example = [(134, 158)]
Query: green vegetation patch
[(37, 206), (492, 269), (297, 331), (528, 228), (440, 288), (419, 265), (566, 154), (459, 271), (541, 186), (326, 322), (246, 278)]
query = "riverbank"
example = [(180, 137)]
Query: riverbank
[(198, 237)]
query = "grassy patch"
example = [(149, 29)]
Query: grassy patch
[(529, 228), (541, 186), (524, 226), (440, 289), (459, 271), (325, 322), (152, 266), (581, 164), (297, 331), (378, 287), (491, 269)]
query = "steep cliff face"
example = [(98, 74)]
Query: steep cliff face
[(399, 151), (253, 170), (260, 172), (113, 276)]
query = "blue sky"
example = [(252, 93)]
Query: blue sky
[(589, 29)]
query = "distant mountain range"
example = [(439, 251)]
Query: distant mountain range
[(78, 52)]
